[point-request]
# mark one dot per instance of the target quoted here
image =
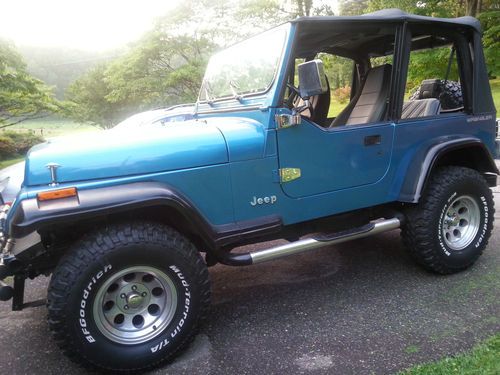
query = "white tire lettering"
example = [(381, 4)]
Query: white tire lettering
[(83, 303), (187, 303), (441, 218), (90, 339), (484, 229)]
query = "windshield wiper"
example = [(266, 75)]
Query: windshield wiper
[(233, 86), (208, 93)]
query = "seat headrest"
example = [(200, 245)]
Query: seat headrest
[(376, 72)]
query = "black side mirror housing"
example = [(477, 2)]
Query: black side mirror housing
[(312, 80)]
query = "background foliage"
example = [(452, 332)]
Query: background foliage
[(165, 67), (22, 96), (13, 144)]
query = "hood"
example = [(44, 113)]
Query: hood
[(118, 153)]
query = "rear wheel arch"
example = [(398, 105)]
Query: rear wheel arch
[(469, 152), (470, 155), (450, 227)]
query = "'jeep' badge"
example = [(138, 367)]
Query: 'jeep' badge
[(264, 200)]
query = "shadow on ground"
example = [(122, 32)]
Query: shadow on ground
[(361, 307)]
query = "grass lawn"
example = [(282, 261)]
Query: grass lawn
[(6, 163), (495, 90), (48, 127), (336, 108), (52, 127), (484, 359)]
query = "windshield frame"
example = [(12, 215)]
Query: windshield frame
[(286, 35)]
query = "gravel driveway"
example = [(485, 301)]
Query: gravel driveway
[(358, 308)]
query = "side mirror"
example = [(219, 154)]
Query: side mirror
[(312, 80)]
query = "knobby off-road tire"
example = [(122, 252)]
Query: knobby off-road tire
[(128, 297), (450, 96), (450, 227)]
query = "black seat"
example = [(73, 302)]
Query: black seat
[(370, 104), (421, 108)]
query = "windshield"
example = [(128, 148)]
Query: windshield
[(248, 67), (137, 120)]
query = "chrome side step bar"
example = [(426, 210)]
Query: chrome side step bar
[(307, 244)]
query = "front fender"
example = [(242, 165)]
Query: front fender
[(32, 215)]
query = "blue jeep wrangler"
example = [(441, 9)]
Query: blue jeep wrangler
[(127, 222)]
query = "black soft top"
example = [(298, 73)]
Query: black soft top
[(395, 15)]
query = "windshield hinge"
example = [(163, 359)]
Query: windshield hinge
[(284, 120)]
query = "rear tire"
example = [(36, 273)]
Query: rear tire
[(450, 95), (451, 225), (128, 297)]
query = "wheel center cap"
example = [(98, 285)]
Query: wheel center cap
[(134, 300), (452, 221)]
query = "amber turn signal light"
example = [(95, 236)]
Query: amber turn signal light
[(57, 194)]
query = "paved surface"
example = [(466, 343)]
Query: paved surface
[(357, 308)]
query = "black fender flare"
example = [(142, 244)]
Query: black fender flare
[(425, 160), (31, 216)]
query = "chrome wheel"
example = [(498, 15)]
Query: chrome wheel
[(461, 223), (135, 305)]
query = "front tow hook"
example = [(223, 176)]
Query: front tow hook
[(6, 291)]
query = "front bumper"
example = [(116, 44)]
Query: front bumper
[(10, 246), (6, 291), (11, 266), (5, 242)]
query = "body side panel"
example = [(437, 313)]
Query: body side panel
[(207, 188), (416, 138)]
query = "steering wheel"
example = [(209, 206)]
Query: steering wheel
[(294, 93)]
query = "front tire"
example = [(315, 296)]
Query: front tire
[(451, 225), (128, 297)]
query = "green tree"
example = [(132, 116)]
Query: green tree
[(166, 66), (353, 7), (490, 22), (435, 8), (22, 97), (59, 66), (161, 69), (263, 14), (87, 100)]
